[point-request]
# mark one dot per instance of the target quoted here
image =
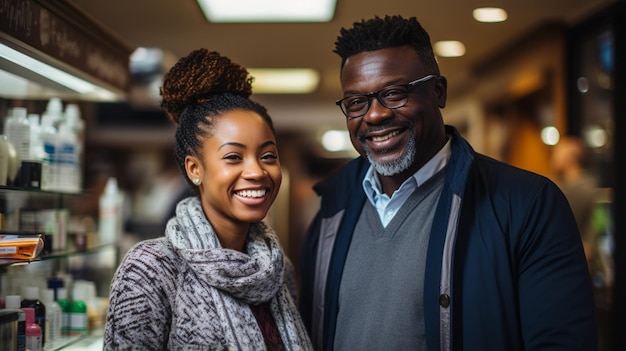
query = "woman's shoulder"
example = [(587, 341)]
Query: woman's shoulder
[(150, 252), (157, 246)]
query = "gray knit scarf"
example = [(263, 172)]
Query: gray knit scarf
[(247, 278)]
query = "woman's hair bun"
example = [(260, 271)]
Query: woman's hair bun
[(197, 77)]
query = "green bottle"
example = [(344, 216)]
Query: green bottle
[(78, 314)]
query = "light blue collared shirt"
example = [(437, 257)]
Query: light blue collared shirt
[(388, 207)]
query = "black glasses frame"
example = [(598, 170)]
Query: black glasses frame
[(376, 94)]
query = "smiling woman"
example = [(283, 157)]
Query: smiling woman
[(218, 279), (239, 174)]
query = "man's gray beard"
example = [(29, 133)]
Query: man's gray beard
[(395, 166)]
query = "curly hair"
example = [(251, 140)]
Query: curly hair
[(196, 91), (380, 33)]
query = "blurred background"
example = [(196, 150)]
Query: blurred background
[(541, 87)]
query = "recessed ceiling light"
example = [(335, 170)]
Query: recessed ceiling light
[(284, 80), (489, 14), (449, 48), (268, 10)]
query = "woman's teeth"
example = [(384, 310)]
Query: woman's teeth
[(252, 193)]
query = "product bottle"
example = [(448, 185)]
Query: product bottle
[(68, 282), (68, 160), (50, 120), (54, 315), (54, 108), (73, 118), (110, 208), (31, 300), (34, 336), (18, 132), (64, 303), (36, 146), (37, 152), (78, 313), (8, 119), (55, 283), (77, 126), (49, 164), (13, 303)]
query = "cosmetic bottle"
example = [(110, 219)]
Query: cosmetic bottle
[(54, 315), (110, 213), (34, 337), (31, 300)]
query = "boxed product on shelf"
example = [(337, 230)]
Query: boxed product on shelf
[(20, 246)]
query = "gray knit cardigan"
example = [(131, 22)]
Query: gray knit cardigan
[(184, 292)]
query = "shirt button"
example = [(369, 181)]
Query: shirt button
[(444, 300)]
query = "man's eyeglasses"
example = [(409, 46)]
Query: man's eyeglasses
[(392, 97)]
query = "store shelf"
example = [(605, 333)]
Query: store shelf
[(58, 255), (65, 343), (8, 192)]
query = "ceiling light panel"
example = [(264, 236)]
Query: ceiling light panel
[(449, 48), (284, 80), (489, 14), (268, 10)]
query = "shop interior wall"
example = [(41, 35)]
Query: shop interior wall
[(518, 91)]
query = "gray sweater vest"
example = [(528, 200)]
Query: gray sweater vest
[(381, 293)]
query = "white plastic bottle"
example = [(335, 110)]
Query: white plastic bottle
[(54, 315), (8, 119), (54, 108), (49, 165), (36, 145), (50, 120), (18, 132), (64, 303), (76, 124), (68, 160), (110, 211)]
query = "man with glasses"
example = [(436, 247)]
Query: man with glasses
[(422, 243)]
